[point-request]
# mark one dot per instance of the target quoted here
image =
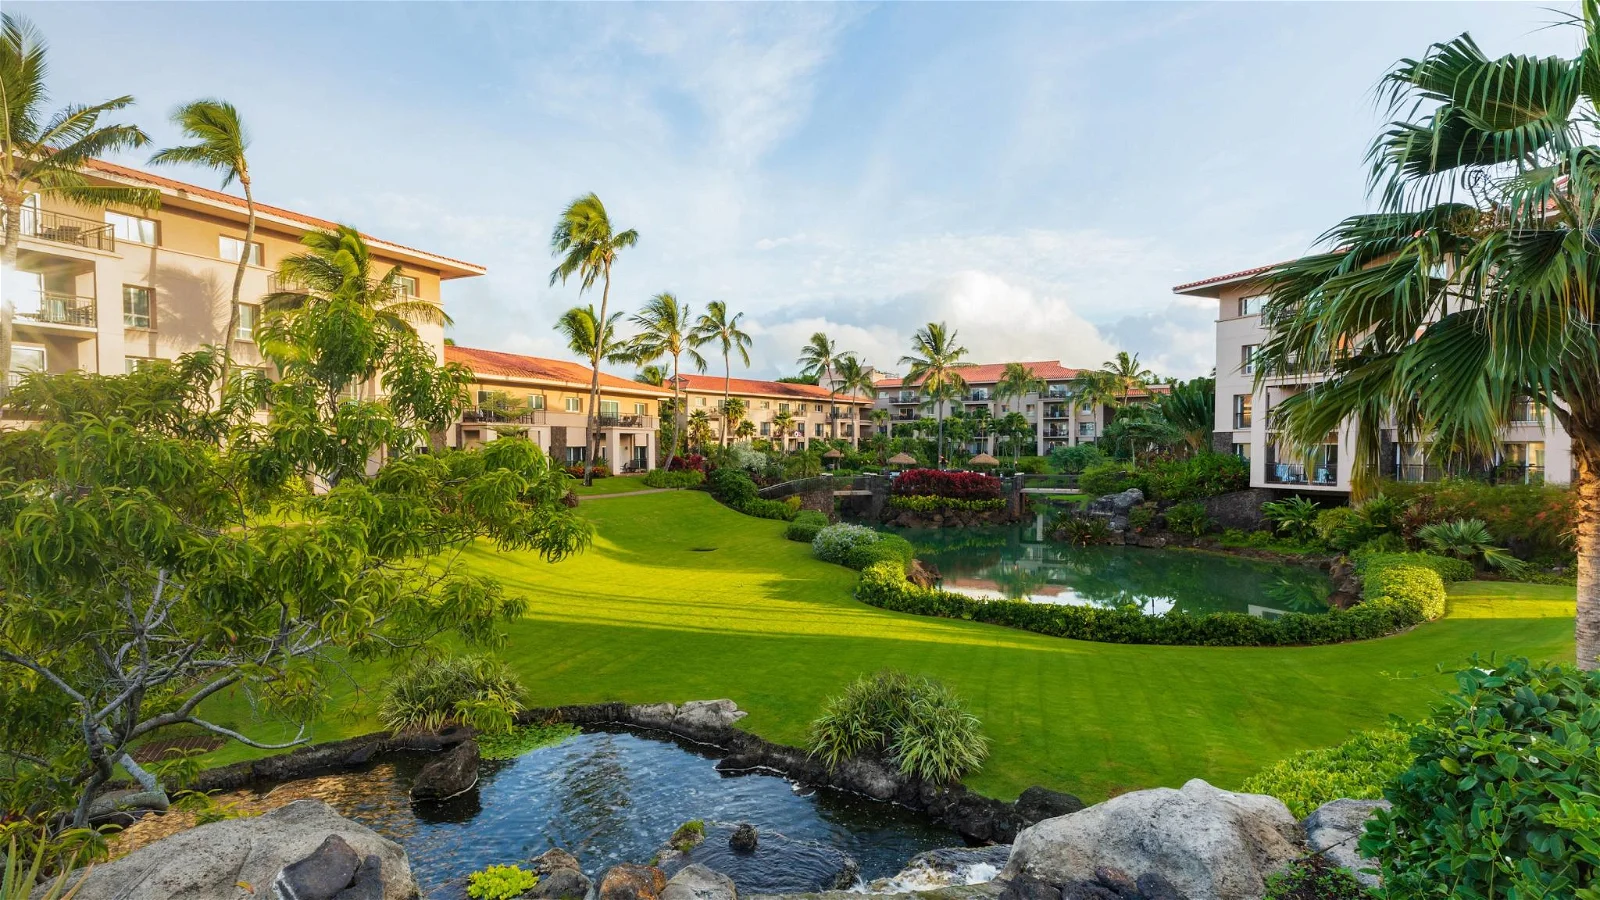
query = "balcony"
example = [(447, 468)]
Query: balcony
[(1058, 412), (1057, 431), (63, 229), (1298, 473), (1057, 393), (504, 416), (60, 309), (634, 421), (979, 395), (1504, 473)]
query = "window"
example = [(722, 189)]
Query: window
[(1242, 451), (577, 455), (766, 404), (818, 431), (247, 323), (407, 285), (783, 407), (132, 228), (818, 407), (1086, 408), (883, 395), (1247, 359), (574, 404), (699, 401), (766, 429), (908, 396), (135, 306), (229, 248), (1525, 410), (1251, 306), (27, 358), (536, 401), (610, 408), (132, 364), (641, 409), (483, 398), (1241, 410), (1085, 429)]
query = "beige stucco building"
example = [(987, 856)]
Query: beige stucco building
[(813, 414), (1533, 445), (105, 289)]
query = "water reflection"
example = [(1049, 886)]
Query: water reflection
[(1014, 563)]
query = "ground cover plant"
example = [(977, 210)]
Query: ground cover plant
[(1359, 768), (777, 630)]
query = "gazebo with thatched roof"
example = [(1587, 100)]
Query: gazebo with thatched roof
[(902, 459), (834, 456), (984, 460)]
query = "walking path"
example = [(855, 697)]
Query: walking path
[(582, 497)]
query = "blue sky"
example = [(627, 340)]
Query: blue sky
[(1037, 175)]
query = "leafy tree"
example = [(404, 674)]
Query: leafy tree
[(587, 246), (1191, 408), (1014, 426), (1472, 284), (1018, 381), (220, 142), (782, 427), (1141, 430), (664, 329), (936, 361), (45, 156), (717, 326)]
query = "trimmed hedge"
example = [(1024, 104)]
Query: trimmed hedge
[(886, 587), (926, 503), (1407, 583), (1449, 569), (859, 547), (1112, 478), (677, 478), (805, 526), (734, 489), (1359, 768)]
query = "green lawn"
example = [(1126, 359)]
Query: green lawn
[(681, 599), (616, 484)]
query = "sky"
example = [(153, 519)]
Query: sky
[(1038, 176)]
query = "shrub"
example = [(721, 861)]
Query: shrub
[(1342, 528), (1205, 475), (918, 723), (1407, 584), (885, 586), (925, 503), (598, 470), (1294, 517), (952, 485), (1188, 518), (1503, 798), (1314, 878), (743, 456), (1110, 478), (1032, 465), (1449, 570), (676, 478), (731, 486), (500, 883), (858, 547), (692, 462), (1073, 460), (1388, 542), (1359, 768), (805, 526), (1080, 531), (1468, 539), (479, 691), (1535, 520), (888, 548), (1142, 517)]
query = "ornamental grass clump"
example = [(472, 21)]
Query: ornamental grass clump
[(916, 722), (479, 691)]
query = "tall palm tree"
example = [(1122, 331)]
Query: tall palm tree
[(220, 142), (44, 156), (338, 264), (782, 425), (1127, 375), (589, 339), (653, 375), (716, 326), (745, 431), (587, 246), (880, 419), (699, 429), (818, 359), (1018, 381), (664, 328), (852, 378), (1472, 285), (733, 411), (935, 362)]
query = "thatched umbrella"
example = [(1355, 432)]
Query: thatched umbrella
[(984, 460), (833, 455), (902, 459)]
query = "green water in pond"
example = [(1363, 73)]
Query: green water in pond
[(1012, 563)]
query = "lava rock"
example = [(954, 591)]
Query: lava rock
[(1087, 890), (706, 719), (1155, 886), (553, 859), (653, 715), (1118, 881), (328, 870), (632, 882), (744, 838), (1039, 803), (451, 775), (1333, 829), (367, 883), (1026, 887), (696, 882), (561, 884)]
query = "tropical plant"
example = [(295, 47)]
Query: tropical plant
[(819, 359), (587, 337), (1077, 458), (699, 429), (653, 375), (500, 882), (880, 435), (917, 722), (745, 431), (338, 268), (587, 246), (1313, 877), (854, 379), (1295, 517), (782, 427), (1191, 409), (478, 691), (24, 880), (717, 326), (1188, 518), (1468, 539), (1143, 431), (1471, 286), (936, 361), (220, 142), (664, 327), (1126, 376), (733, 411)]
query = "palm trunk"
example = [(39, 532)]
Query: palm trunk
[(727, 381), (8, 266), (938, 445), (1586, 453), (594, 381), (238, 283), (833, 418), (677, 409)]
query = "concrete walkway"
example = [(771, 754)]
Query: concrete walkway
[(583, 497)]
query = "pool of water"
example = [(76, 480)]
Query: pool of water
[(613, 797), (1013, 563)]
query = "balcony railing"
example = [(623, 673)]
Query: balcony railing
[(634, 421), (62, 309), (978, 395), (508, 417), (1504, 473), (1057, 393), (1058, 412), (1297, 473), (63, 229)]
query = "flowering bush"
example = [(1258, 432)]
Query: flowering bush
[(743, 456), (693, 462), (954, 485), (858, 547), (598, 470)]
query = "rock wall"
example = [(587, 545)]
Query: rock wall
[(1240, 509)]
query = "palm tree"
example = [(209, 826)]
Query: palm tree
[(43, 157), (338, 264), (1015, 426), (1472, 286), (1018, 381), (852, 378), (581, 326), (699, 429), (220, 144), (664, 330), (716, 326), (587, 246), (818, 359), (880, 419), (732, 416), (1127, 375), (782, 424), (655, 376), (1191, 408), (935, 365), (745, 431)]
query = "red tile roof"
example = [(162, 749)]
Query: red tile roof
[(990, 373), (1219, 279), (538, 368), (116, 171), (750, 386)]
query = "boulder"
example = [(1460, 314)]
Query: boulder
[(327, 871), (653, 715), (454, 773), (706, 719), (1026, 887), (1039, 803), (553, 859), (1117, 880), (696, 882), (1333, 829), (1155, 886), (632, 882), (561, 884), (923, 574), (211, 861), (1208, 843), (744, 838)]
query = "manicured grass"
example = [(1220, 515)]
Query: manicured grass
[(615, 484), (682, 599)]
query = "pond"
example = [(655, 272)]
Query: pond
[(609, 798), (1012, 562)]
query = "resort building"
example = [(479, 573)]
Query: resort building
[(106, 289), (1058, 419), (787, 414), (547, 400), (1533, 445)]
